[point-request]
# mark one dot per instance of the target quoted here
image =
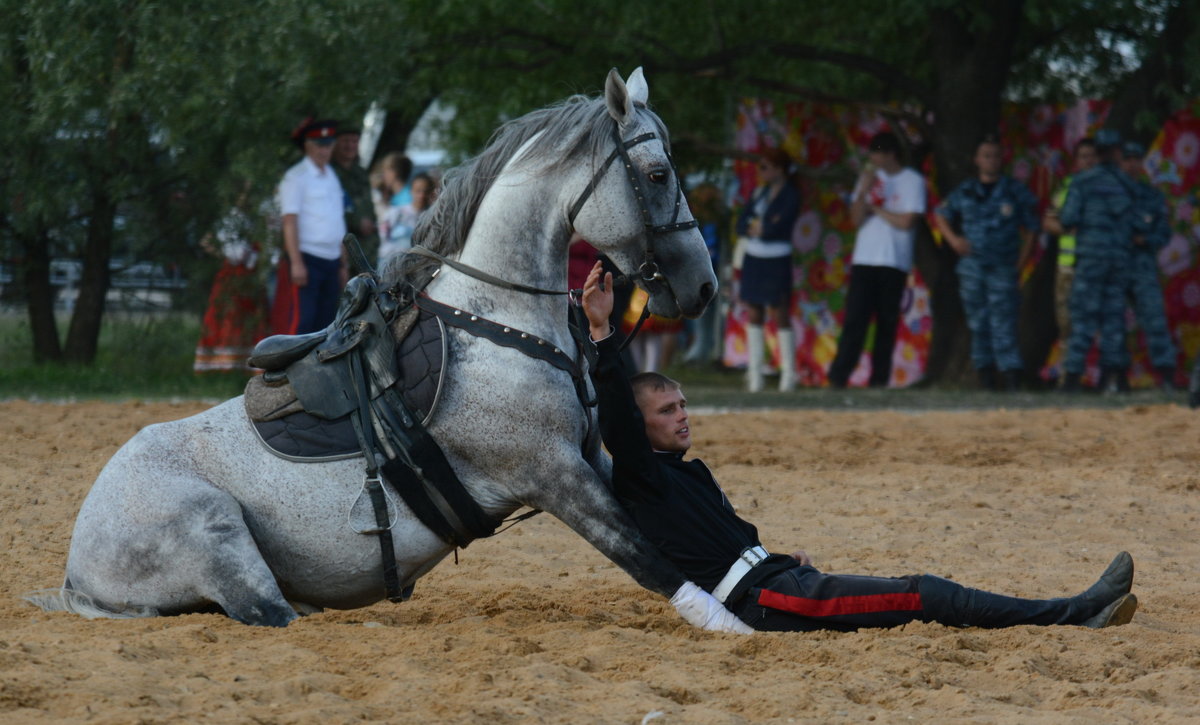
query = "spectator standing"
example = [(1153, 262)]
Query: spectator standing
[(314, 223), (236, 315), (766, 223), (887, 202), (1101, 210), (1085, 158), (399, 220), (356, 185), (1144, 284), (713, 217), (990, 221)]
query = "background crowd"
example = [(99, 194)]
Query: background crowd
[(322, 197), (1105, 225)]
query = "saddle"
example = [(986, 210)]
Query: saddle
[(367, 385), (290, 431)]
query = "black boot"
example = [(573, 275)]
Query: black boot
[(1072, 383), (1012, 381), (1106, 603), (987, 377)]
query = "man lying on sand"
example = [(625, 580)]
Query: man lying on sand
[(681, 509)]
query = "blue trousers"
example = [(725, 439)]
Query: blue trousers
[(1146, 290), (991, 301), (1098, 305), (319, 298)]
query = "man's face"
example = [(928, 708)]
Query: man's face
[(345, 151), (988, 159), (1132, 165), (319, 150), (665, 412), (1086, 157)]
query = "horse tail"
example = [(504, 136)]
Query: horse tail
[(66, 599)]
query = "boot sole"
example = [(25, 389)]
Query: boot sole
[(1119, 612)]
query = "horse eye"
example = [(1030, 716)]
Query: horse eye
[(658, 177)]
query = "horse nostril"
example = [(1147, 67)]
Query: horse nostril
[(706, 291)]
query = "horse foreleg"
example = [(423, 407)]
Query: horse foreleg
[(584, 503)]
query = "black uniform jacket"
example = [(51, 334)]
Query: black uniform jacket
[(677, 504)]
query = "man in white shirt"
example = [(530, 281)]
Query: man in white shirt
[(888, 200), (313, 207)]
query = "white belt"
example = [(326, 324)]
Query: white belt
[(747, 560)]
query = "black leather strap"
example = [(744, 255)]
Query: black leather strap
[(365, 430), (482, 276), (503, 335)]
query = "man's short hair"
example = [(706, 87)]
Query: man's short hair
[(991, 138), (656, 382), (885, 142), (1085, 141)]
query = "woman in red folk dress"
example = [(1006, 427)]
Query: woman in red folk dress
[(236, 316)]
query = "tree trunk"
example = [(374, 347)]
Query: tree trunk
[(973, 62), (40, 298), (950, 344), (397, 127), (84, 333), (1149, 95)]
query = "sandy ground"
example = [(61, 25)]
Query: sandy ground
[(535, 626)]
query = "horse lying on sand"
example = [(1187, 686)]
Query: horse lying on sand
[(197, 513)]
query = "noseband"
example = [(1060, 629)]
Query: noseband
[(649, 268)]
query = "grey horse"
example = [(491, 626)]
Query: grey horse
[(197, 514)]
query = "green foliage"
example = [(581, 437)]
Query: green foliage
[(139, 356)]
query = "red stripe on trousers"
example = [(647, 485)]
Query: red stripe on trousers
[(863, 604)]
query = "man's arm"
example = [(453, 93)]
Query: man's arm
[(291, 245), (941, 218), (860, 209), (621, 425)]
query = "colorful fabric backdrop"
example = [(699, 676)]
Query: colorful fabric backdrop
[(830, 141)]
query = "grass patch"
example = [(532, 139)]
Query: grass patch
[(145, 355), (140, 355)]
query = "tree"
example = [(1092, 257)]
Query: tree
[(134, 124), (945, 66)]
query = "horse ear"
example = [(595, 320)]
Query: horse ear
[(638, 90), (616, 97)]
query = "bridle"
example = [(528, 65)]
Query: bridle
[(648, 270)]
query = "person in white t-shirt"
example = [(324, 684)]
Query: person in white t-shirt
[(888, 200), (313, 206)]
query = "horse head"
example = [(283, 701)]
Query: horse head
[(634, 209)]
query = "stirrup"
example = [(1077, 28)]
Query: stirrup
[(389, 501)]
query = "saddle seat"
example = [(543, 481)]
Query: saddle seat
[(276, 352)]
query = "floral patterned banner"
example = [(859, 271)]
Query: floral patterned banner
[(830, 141)]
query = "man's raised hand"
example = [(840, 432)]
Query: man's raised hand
[(598, 301)]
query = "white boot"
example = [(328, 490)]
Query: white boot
[(787, 360), (754, 368)]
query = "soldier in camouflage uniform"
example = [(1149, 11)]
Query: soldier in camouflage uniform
[(990, 221), (1100, 209), (1144, 284), (356, 185), (1085, 158)]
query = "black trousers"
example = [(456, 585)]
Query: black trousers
[(875, 293), (803, 599)]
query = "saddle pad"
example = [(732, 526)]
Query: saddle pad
[(290, 432)]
